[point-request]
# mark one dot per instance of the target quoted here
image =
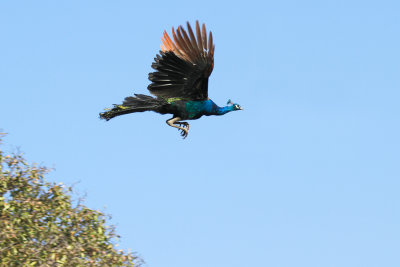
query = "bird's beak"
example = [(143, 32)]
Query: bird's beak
[(240, 108)]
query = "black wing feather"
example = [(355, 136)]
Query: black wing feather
[(182, 68)]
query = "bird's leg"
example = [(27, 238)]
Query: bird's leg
[(174, 122)]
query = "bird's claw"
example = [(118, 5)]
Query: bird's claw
[(184, 132)]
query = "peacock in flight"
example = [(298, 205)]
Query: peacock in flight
[(180, 81)]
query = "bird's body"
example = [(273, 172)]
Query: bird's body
[(185, 109), (192, 110), (180, 82)]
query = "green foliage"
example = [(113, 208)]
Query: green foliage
[(39, 225)]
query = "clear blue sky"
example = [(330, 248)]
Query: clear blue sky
[(307, 175)]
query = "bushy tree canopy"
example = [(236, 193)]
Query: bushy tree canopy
[(40, 225)]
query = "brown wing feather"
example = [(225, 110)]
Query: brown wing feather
[(210, 41), (204, 34), (193, 40), (184, 64), (199, 41), (187, 49)]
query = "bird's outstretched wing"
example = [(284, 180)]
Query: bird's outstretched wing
[(183, 65)]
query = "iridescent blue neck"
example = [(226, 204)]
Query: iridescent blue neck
[(224, 110)]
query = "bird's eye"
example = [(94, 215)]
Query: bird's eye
[(236, 106)]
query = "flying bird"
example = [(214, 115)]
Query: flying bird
[(180, 81)]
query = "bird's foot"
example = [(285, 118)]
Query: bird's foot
[(183, 128), (184, 125)]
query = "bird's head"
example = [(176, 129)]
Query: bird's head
[(235, 106)]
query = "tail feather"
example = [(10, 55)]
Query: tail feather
[(137, 103)]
